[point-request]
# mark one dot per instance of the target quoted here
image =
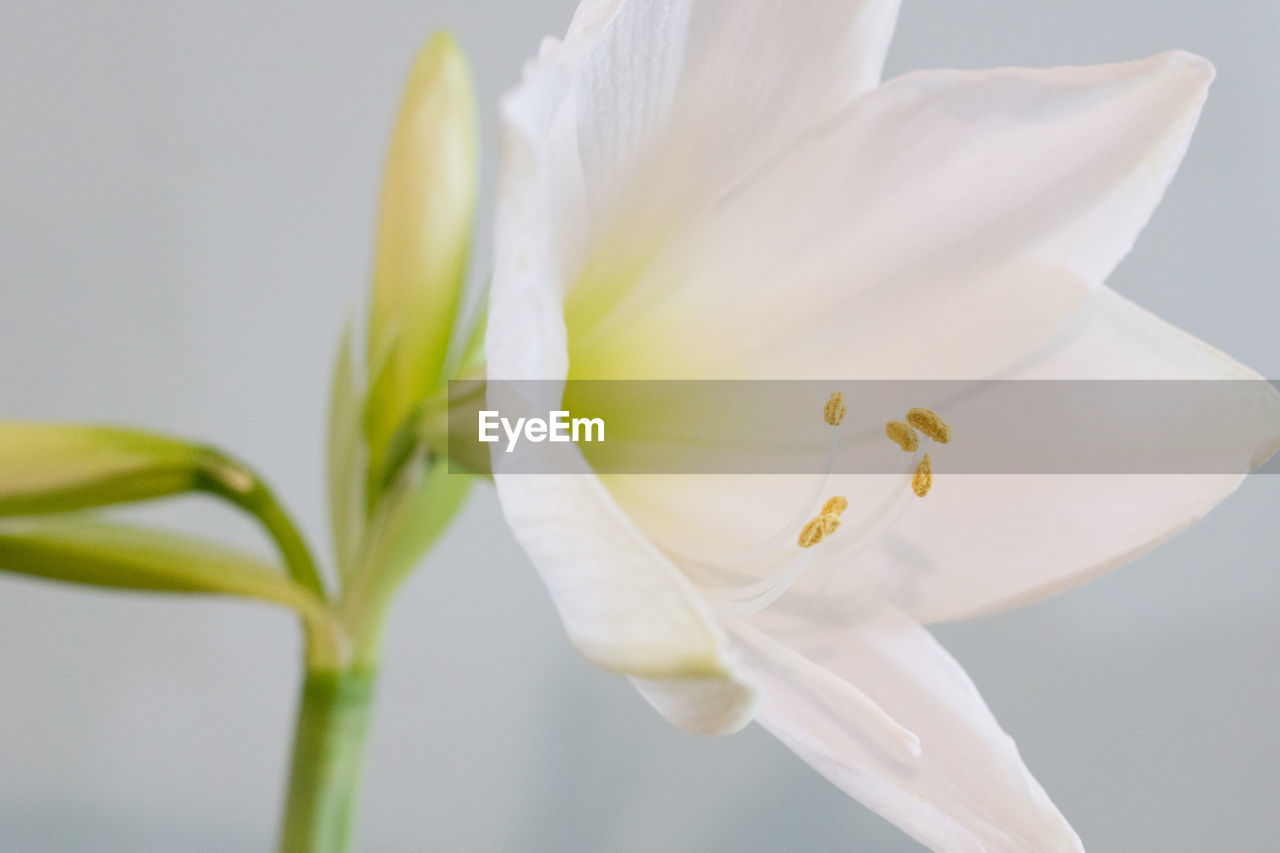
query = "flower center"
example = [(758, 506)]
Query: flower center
[(846, 540)]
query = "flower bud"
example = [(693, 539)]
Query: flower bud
[(48, 467), (424, 237)]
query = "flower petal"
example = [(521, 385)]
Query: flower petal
[(623, 603), (677, 100), (575, 133), (701, 706), (968, 789), (646, 114), (942, 226), (983, 543)]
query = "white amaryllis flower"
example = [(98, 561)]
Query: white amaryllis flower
[(725, 189)]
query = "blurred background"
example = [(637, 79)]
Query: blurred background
[(187, 196)]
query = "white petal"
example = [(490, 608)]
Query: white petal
[(591, 17), (645, 115), (982, 543), (818, 699), (943, 225), (679, 99), (623, 603), (701, 706), (967, 791), (589, 112)]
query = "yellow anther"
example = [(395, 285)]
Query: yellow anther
[(833, 413), (931, 424), (817, 529), (902, 435), (811, 534), (922, 480), (835, 506)]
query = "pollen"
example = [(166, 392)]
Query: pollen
[(812, 533), (833, 413), (931, 424), (902, 435), (922, 480), (835, 506), (817, 529)]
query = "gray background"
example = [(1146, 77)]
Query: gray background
[(186, 212)]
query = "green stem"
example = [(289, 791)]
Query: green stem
[(237, 483), (293, 548), (328, 750)]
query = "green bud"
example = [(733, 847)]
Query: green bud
[(424, 238), (54, 468), (46, 467), (86, 551)]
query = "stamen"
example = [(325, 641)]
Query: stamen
[(902, 435), (835, 506), (742, 599), (922, 480), (857, 536), (812, 533), (931, 424), (833, 413), (818, 529), (782, 538)]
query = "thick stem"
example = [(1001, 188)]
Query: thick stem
[(328, 751)]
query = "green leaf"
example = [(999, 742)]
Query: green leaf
[(84, 550), (409, 518), (423, 510), (346, 458), (50, 467)]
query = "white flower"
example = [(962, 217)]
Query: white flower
[(716, 189)]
